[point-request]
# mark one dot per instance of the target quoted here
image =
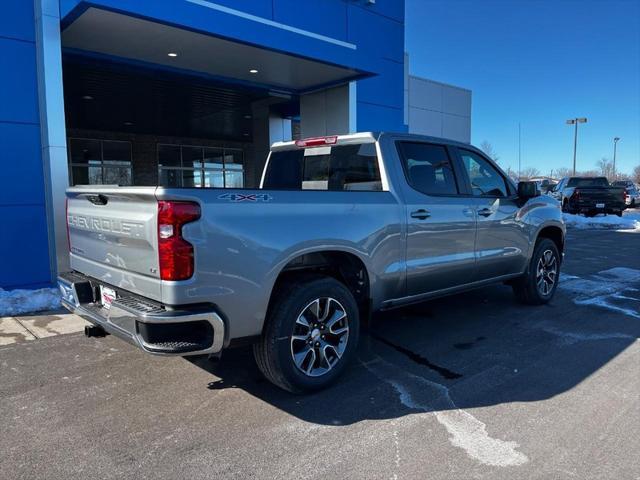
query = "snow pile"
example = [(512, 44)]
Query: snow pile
[(630, 220), (16, 302)]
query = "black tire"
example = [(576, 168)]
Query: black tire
[(275, 349), (619, 214), (526, 288)]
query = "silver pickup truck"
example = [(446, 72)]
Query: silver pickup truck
[(341, 227)]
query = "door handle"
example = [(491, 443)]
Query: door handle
[(422, 214), (485, 212)]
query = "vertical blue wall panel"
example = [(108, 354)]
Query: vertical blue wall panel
[(16, 20), (24, 247), (21, 165), (19, 92), (378, 117)]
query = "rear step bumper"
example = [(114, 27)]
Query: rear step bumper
[(144, 323)]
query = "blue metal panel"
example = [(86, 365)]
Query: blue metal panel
[(328, 17), (376, 34), (379, 117), (386, 88), (18, 83), (262, 8), (21, 165), (393, 9), (24, 247), (16, 20)]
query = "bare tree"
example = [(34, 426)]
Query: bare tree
[(605, 167), (529, 172), (636, 174), (563, 172), (487, 148), (589, 173), (512, 174)]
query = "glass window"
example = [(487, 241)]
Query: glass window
[(169, 156), (428, 168), (485, 180), (97, 162), (200, 167), (335, 168)]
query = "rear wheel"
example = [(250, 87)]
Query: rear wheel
[(538, 285), (311, 334)]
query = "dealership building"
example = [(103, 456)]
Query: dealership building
[(187, 93)]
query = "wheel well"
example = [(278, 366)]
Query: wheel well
[(554, 234), (344, 267)]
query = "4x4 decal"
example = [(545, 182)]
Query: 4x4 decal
[(246, 197)]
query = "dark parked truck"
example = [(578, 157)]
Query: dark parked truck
[(589, 195), (340, 227)]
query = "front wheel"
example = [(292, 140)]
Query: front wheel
[(538, 285), (311, 334)]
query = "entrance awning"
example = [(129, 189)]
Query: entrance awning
[(117, 35)]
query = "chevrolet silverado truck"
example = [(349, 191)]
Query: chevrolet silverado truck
[(590, 196), (340, 227)]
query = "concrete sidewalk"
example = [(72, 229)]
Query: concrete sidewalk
[(24, 328)]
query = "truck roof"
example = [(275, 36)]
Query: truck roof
[(360, 137)]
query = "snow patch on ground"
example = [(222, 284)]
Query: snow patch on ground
[(603, 289), (630, 220), (18, 302), (466, 431)]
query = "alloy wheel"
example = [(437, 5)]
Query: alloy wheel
[(320, 336), (546, 272)]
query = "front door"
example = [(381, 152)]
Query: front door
[(501, 239), (441, 226)]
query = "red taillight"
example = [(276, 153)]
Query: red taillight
[(575, 195), (174, 252), (316, 141)]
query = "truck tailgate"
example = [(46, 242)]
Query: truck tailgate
[(113, 236), (608, 195)]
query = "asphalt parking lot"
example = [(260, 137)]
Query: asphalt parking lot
[(470, 386)]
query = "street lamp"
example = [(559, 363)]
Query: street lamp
[(575, 121), (615, 143)]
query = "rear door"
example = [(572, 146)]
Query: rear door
[(113, 236), (440, 221), (501, 239)]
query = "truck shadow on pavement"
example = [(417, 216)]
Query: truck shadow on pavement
[(471, 350)]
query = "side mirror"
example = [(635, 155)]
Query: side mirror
[(527, 190)]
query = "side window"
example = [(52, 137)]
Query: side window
[(428, 168), (485, 180)]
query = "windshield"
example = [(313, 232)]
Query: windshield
[(588, 182)]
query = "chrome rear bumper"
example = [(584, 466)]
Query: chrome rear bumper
[(146, 324)]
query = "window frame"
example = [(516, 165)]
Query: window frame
[(101, 141), (202, 169), (512, 191), (453, 160)]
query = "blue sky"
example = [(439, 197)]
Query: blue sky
[(537, 62)]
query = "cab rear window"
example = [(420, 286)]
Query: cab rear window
[(332, 168)]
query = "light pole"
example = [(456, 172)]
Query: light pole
[(615, 144), (575, 121)]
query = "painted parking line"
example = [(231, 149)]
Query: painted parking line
[(39, 325)]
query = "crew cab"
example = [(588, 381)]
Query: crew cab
[(340, 227), (589, 195)]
